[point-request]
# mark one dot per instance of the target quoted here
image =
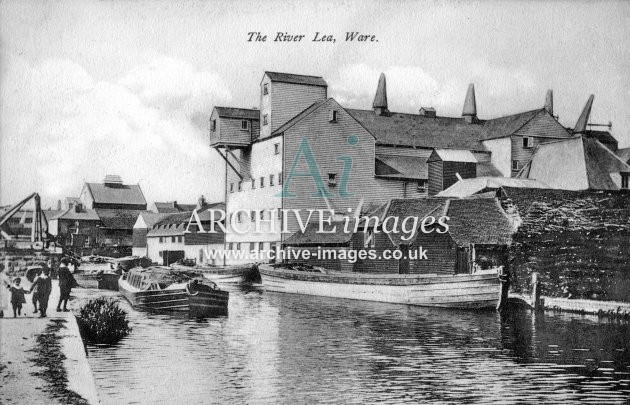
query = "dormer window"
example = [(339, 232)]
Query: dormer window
[(332, 179), (265, 120), (213, 125), (245, 125), (265, 89), (334, 115), (528, 142)]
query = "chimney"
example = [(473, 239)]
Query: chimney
[(580, 125), (201, 202), (380, 100), (58, 205), (549, 102), (470, 105)]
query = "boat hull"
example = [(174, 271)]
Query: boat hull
[(176, 300), (222, 274), (470, 291)]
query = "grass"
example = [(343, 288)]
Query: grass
[(102, 321)]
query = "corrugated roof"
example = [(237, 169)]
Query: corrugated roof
[(468, 187), (420, 131), (118, 218), (297, 79), (241, 113), (453, 155), (404, 167), (129, 194), (479, 221)]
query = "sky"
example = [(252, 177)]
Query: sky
[(90, 88)]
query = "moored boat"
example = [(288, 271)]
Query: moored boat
[(222, 274), (162, 288), (470, 291)]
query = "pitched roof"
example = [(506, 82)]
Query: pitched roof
[(624, 154), (84, 215), (129, 194), (312, 237), (243, 113), (452, 155), (411, 207), (420, 131), (167, 230), (479, 221), (150, 218), (118, 218), (604, 137), (468, 187), (578, 163), (403, 167), (300, 116), (296, 79), (529, 123), (172, 207)]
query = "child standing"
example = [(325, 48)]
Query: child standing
[(44, 287), (17, 297)]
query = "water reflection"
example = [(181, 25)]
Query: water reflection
[(280, 348)]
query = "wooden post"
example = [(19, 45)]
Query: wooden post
[(535, 293), (504, 278)]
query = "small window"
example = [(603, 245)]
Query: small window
[(280, 179), (422, 186), (252, 246), (262, 182), (161, 240), (179, 239), (173, 239), (276, 148), (262, 214), (270, 180), (527, 142), (238, 217), (231, 246), (238, 246), (232, 187), (245, 125), (265, 89), (334, 115), (265, 120), (240, 186), (515, 165), (161, 253), (624, 180), (332, 179), (213, 125), (368, 240), (253, 215)]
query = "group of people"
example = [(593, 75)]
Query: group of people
[(41, 288)]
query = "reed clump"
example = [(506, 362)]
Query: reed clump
[(102, 321)]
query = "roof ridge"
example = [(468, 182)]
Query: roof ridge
[(294, 74)]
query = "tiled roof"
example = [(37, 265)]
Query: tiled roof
[(172, 207), (312, 237), (150, 218), (84, 215), (468, 187), (167, 230), (130, 194), (118, 218), (296, 79), (604, 137), (624, 154), (184, 217), (404, 167), (537, 123), (419, 131), (478, 221), (300, 116), (411, 207), (244, 113)]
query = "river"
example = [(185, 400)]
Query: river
[(283, 348)]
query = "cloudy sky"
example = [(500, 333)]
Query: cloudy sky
[(90, 88)]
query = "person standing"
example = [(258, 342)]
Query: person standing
[(66, 283), (44, 288), (17, 297), (4, 292)]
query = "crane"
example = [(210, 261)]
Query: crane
[(38, 234)]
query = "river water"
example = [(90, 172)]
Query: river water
[(283, 348)]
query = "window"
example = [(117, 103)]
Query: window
[(279, 214), (230, 246), (179, 239), (265, 89), (238, 217), (213, 125), (240, 186), (422, 186), (332, 179), (262, 214), (161, 240), (280, 179), (87, 241), (245, 125), (252, 246), (624, 180), (253, 184), (515, 165), (265, 120), (173, 239), (368, 240), (276, 148), (161, 253), (232, 188), (262, 182), (527, 142), (238, 246), (333, 115), (253, 215), (270, 180)]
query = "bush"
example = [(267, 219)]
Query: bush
[(102, 321)]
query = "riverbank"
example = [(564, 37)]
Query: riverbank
[(43, 360)]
